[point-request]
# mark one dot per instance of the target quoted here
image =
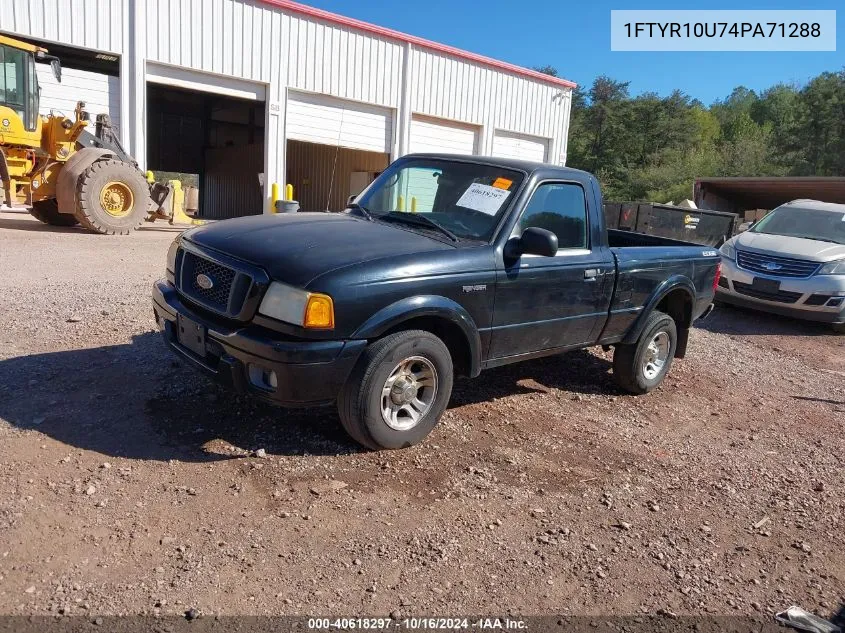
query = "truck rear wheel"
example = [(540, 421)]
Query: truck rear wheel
[(398, 390), (641, 366), (839, 328), (47, 211), (113, 198)]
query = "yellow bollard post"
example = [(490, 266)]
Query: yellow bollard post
[(177, 215), (274, 196), (401, 203), (414, 204), (289, 192)]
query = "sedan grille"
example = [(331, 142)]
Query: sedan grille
[(781, 296), (776, 266)]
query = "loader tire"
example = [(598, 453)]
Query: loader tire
[(47, 211), (112, 198)]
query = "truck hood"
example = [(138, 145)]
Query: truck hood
[(785, 246), (297, 248)]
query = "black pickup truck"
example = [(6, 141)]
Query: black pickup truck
[(444, 265)]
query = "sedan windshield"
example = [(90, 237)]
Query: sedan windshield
[(462, 201), (810, 224)]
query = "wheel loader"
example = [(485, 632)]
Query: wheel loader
[(66, 174)]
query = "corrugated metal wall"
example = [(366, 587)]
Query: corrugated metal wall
[(241, 38), (231, 187), (96, 24), (310, 169), (454, 89), (101, 93)]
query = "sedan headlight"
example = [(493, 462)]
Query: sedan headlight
[(171, 256), (728, 251), (833, 268), (298, 307)]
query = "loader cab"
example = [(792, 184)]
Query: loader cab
[(19, 90)]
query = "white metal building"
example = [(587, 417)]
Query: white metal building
[(246, 93)]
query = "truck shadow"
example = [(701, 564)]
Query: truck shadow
[(28, 223), (137, 401), (579, 372), (727, 319)]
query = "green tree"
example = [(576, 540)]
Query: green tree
[(652, 148), (547, 70)]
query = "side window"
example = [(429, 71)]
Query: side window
[(560, 208), (33, 96)]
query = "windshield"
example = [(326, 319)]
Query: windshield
[(465, 199), (811, 224), (12, 75)]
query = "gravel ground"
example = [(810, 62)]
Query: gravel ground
[(131, 485)]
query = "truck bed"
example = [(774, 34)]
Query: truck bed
[(625, 239)]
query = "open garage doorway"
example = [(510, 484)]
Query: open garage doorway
[(210, 141), (324, 176), (335, 148)]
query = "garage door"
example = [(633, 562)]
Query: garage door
[(506, 145), (436, 135), (315, 118), (100, 92)]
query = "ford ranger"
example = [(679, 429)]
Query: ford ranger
[(443, 266)]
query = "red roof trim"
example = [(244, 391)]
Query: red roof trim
[(417, 41)]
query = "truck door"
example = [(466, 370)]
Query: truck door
[(550, 302)]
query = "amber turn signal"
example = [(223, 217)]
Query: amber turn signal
[(319, 312)]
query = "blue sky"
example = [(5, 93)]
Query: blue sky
[(575, 38)]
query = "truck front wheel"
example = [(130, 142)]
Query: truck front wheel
[(398, 390), (641, 366)]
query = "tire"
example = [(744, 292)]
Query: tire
[(838, 328), (631, 368), (119, 185), (361, 398), (47, 211)]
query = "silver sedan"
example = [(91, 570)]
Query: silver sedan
[(792, 262)]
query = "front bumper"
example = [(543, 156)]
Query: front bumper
[(307, 372), (817, 298)]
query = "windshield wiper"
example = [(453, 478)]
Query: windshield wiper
[(419, 220), (364, 211)]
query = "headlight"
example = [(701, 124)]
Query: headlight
[(728, 251), (833, 268), (297, 306), (171, 256)]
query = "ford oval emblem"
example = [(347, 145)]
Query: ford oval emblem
[(772, 266), (205, 282)]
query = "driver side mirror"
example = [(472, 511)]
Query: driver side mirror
[(351, 199), (533, 241)]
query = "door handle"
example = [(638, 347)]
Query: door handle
[(591, 274)]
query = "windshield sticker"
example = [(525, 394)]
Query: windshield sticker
[(483, 198), (502, 183)]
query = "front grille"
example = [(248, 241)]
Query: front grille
[(221, 276), (781, 296), (229, 287), (776, 266)]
